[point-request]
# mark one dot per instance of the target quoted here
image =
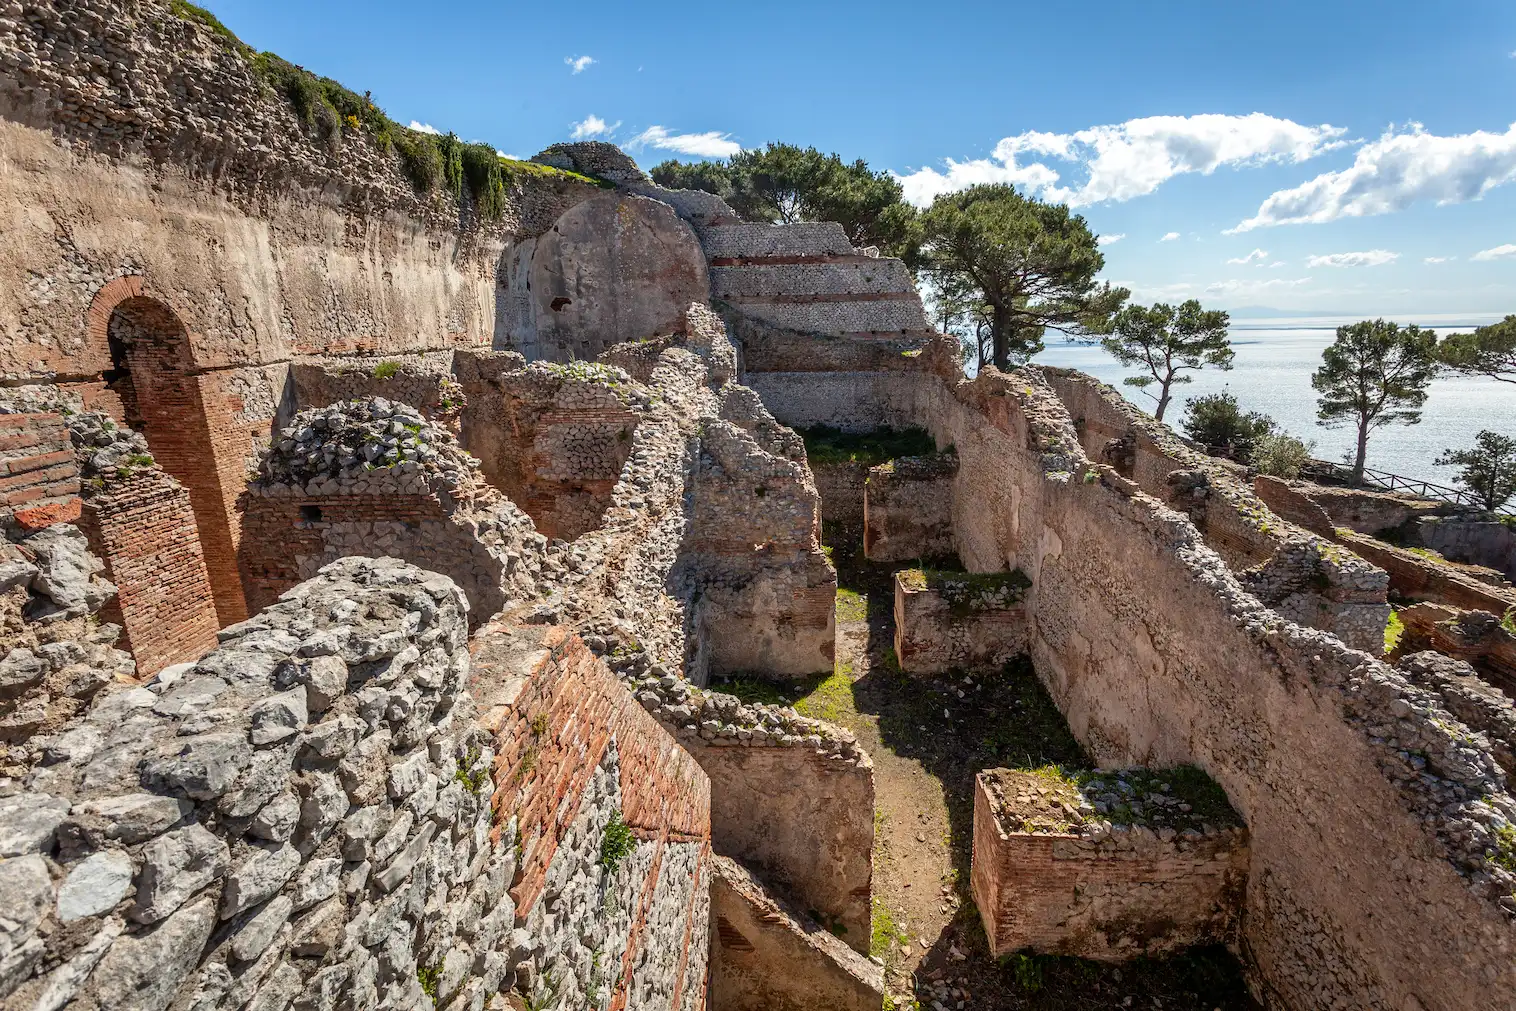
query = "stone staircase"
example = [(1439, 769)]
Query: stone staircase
[(805, 277)]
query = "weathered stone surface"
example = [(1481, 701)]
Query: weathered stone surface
[(174, 867), (276, 820), (142, 973), (254, 936), (28, 821), (131, 818), (95, 885), (26, 893), (202, 767), (279, 716), (258, 877)]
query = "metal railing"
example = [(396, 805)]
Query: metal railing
[(1415, 486)]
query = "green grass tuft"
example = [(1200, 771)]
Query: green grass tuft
[(825, 445), (386, 370), (851, 605), (1393, 630)]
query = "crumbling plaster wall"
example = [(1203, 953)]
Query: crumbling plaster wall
[(614, 268), (370, 477), (1300, 574), (171, 160), (768, 956), (1368, 883)]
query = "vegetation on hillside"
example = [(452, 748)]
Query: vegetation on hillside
[(1488, 470), (1375, 373), (333, 112), (1488, 351)]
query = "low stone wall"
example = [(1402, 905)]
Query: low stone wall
[(270, 823), (144, 528), (1476, 637), (311, 813), (793, 797), (840, 485), (39, 481), (1371, 512), (1099, 889), (375, 478), (55, 653), (1157, 655), (908, 509), (619, 923), (423, 381), (554, 438), (767, 591), (767, 956), (1482, 707), (959, 621), (1417, 577), (803, 818), (1290, 568), (1288, 500)]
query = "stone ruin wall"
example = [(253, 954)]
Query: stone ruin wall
[(1103, 897), (1300, 575), (316, 811), (1158, 656)]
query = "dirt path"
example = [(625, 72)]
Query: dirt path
[(928, 738)]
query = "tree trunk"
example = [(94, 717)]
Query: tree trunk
[(1363, 450), (1163, 400), (1000, 330)]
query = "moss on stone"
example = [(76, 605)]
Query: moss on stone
[(970, 592)]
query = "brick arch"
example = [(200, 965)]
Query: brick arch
[(97, 319), (186, 418)]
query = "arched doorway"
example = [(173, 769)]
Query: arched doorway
[(153, 372)]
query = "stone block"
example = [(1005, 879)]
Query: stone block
[(1108, 866), (908, 509), (959, 620)]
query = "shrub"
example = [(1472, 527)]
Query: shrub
[(1220, 425), (386, 370), (617, 844), (1488, 470), (1281, 455)]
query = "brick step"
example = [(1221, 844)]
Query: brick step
[(856, 276), (886, 316), (819, 238)]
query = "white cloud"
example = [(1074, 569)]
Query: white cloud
[(1276, 263), (1498, 253), (711, 144), (1130, 159), (1438, 259), (1169, 236), (424, 127), (593, 126), (1258, 254), (1249, 287), (1366, 258), (1106, 240), (578, 63), (1394, 172)]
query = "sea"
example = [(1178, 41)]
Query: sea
[(1272, 374)]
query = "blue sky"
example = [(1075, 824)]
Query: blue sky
[(1351, 158)]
